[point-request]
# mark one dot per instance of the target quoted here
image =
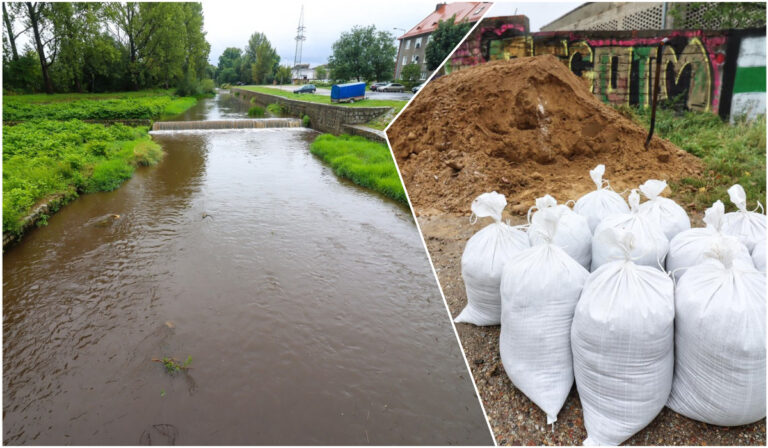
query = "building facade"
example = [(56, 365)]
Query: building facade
[(636, 16), (414, 42)]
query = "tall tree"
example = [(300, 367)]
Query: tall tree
[(9, 16), (363, 53), (263, 58), (229, 66), (443, 40), (76, 25), (38, 20)]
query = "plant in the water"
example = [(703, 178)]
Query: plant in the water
[(305, 121), (276, 109), (256, 111), (173, 365)]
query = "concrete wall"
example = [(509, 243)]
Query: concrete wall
[(619, 66), (323, 117)]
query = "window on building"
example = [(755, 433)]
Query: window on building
[(423, 75), (405, 61), (415, 59), (407, 44), (418, 43)]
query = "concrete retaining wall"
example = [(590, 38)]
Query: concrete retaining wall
[(365, 132), (323, 117)]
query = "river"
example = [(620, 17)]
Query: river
[(307, 305)]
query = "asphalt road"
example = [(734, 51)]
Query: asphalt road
[(405, 96)]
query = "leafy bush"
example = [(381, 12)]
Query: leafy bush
[(305, 121), (256, 111), (364, 162), (276, 109)]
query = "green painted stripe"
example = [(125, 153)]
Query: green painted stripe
[(749, 79)]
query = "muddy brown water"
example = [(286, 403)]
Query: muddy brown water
[(307, 305)]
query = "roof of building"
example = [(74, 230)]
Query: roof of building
[(469, 11)]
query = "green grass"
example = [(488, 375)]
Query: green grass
[(66, 97), (366, 163), (377, 123), (47, 159), (731, 154), (324, 99), (21, 108)]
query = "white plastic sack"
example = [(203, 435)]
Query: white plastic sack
[(649, 246), (600, 203), (688, 248), (758, 256), (539, 291), (483, 260), (572, 234), (720, 341), (670, 217), (622, 340), (748, 227)]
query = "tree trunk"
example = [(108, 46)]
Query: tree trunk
[(11, 37), (34, 15)]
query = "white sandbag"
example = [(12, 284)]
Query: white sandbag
[(720, 341), (670, 217), (539, 291), (688, 248), (650, 245), (749, 227), (758, 256), (572, 233), (483, 260), (622, 340), (600, 203)]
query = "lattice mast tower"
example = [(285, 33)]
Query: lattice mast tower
[(300, 38)]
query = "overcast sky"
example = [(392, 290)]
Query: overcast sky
[(231, 23)]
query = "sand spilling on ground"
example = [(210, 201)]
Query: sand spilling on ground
[(524, 128)]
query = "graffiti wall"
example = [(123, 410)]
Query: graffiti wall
[(700, 69)]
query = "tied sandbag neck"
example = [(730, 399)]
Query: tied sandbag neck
[(739, 198), (597, 177), (652, 188)]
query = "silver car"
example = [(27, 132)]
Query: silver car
[(392, 87)]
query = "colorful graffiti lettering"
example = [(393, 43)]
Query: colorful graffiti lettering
[(618, 65)]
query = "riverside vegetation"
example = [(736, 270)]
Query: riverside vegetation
[(364, 162), (53, 156), (732, 153)]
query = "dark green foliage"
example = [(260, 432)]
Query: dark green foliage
[(96, 47), (410, 75), (720, 15), (443, 40), (363, 53), (364, 162), (305, 121)]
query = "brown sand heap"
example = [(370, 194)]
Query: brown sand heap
[(524, 128)]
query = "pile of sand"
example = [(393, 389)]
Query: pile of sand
[(524, 128)]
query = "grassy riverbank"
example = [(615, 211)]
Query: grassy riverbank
[(47, 159), (29, 107), (731, 153), (366, 163), (54, 156)]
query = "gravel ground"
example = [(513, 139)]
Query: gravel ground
[(514, 418)]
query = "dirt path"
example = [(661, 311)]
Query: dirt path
[(514, 418)]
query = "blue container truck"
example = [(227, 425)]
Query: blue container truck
[(348, 93)]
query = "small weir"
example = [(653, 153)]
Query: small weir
[(257, 123)]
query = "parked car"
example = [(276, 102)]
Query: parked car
[(417, 88), (375, 86), (306, 88), (392, 87)]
